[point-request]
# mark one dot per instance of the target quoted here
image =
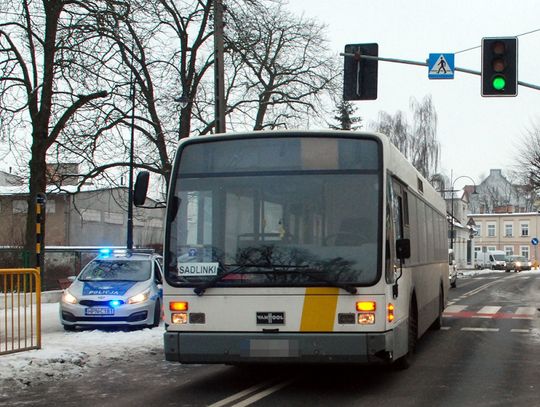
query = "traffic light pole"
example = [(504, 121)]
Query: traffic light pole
[(407, 62)]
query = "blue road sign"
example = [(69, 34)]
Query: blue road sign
[(441, 66), (534, 241)]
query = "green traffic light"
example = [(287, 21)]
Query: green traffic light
[(498, 83)]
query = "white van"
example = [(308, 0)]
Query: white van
[(494, 260)]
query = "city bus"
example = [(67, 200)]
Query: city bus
[(300, 247)]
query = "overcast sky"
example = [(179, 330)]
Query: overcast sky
[(476, 133)]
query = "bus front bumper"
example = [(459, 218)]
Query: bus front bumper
[(238, 348)]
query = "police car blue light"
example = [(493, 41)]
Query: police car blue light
[(105, 252), (120, 288), (115, 303)]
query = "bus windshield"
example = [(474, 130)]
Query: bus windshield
[(276, 212)]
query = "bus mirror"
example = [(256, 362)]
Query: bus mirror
[(141, 188), (403, 248)]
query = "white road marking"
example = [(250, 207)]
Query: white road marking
[(521, 331), (241, 394), (489, 310), (455, 308), (526, 311), (262, 394), (445, 328), (480, 329), (483, 287)]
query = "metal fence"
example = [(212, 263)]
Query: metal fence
[(20, 310)]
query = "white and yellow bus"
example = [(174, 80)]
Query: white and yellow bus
[(297, 246)]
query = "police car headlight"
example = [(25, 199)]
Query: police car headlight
[(68, 298), (139, 297)]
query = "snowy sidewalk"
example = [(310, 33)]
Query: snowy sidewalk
[(69, 354)]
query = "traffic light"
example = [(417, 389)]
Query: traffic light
[(360, 74), (499, 66)]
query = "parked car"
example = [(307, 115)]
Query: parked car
[(517, 263), (495, 260), (116, 288), (452, 271)]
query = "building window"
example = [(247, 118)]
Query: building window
[(113, 217), (491, 248), (91, 215), (478, 229), (20, 206), (508, 230), (524, 229), (524, 251), (508, 250), (50, 206), (491, 230)]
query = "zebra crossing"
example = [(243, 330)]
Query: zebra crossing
[(490, 312)]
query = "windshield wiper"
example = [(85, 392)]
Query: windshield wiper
[(201, 288), (275, 269), (332, 283)]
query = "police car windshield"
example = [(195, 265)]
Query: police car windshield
[(116, 270)]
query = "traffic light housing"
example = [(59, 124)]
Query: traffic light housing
[(499, 66), (360, 74)]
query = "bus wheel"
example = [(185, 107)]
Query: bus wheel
[(406, 361), (437, 324)]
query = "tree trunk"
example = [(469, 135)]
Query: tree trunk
[(37, 184)]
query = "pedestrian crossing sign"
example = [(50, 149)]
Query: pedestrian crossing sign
[(441, 66)]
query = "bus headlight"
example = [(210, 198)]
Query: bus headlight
[(141, 297), (68, 298), (179, 317), (366, 318)]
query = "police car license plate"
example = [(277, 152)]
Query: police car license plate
[(99, 311)]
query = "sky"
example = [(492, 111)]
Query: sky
[(476, 133)]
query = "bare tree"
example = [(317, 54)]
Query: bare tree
[(159, 53), (282, 66), (424, 148), (171, 54), (528, 157), (396, 128), (36, 93), (418, 142)]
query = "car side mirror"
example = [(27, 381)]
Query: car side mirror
[(403, 248), (71, 278)]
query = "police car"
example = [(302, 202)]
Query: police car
[(116, 288)]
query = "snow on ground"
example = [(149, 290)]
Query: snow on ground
[(69, 354), (473, 272)]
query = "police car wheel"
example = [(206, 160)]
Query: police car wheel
[(157, 314), (69, 327)]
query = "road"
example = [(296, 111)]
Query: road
[(487, 354)]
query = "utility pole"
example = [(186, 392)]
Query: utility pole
[(219, 76)]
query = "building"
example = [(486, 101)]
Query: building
[(7, 179), (495, 194), (511, 232), (460, 232), (91, 217)]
